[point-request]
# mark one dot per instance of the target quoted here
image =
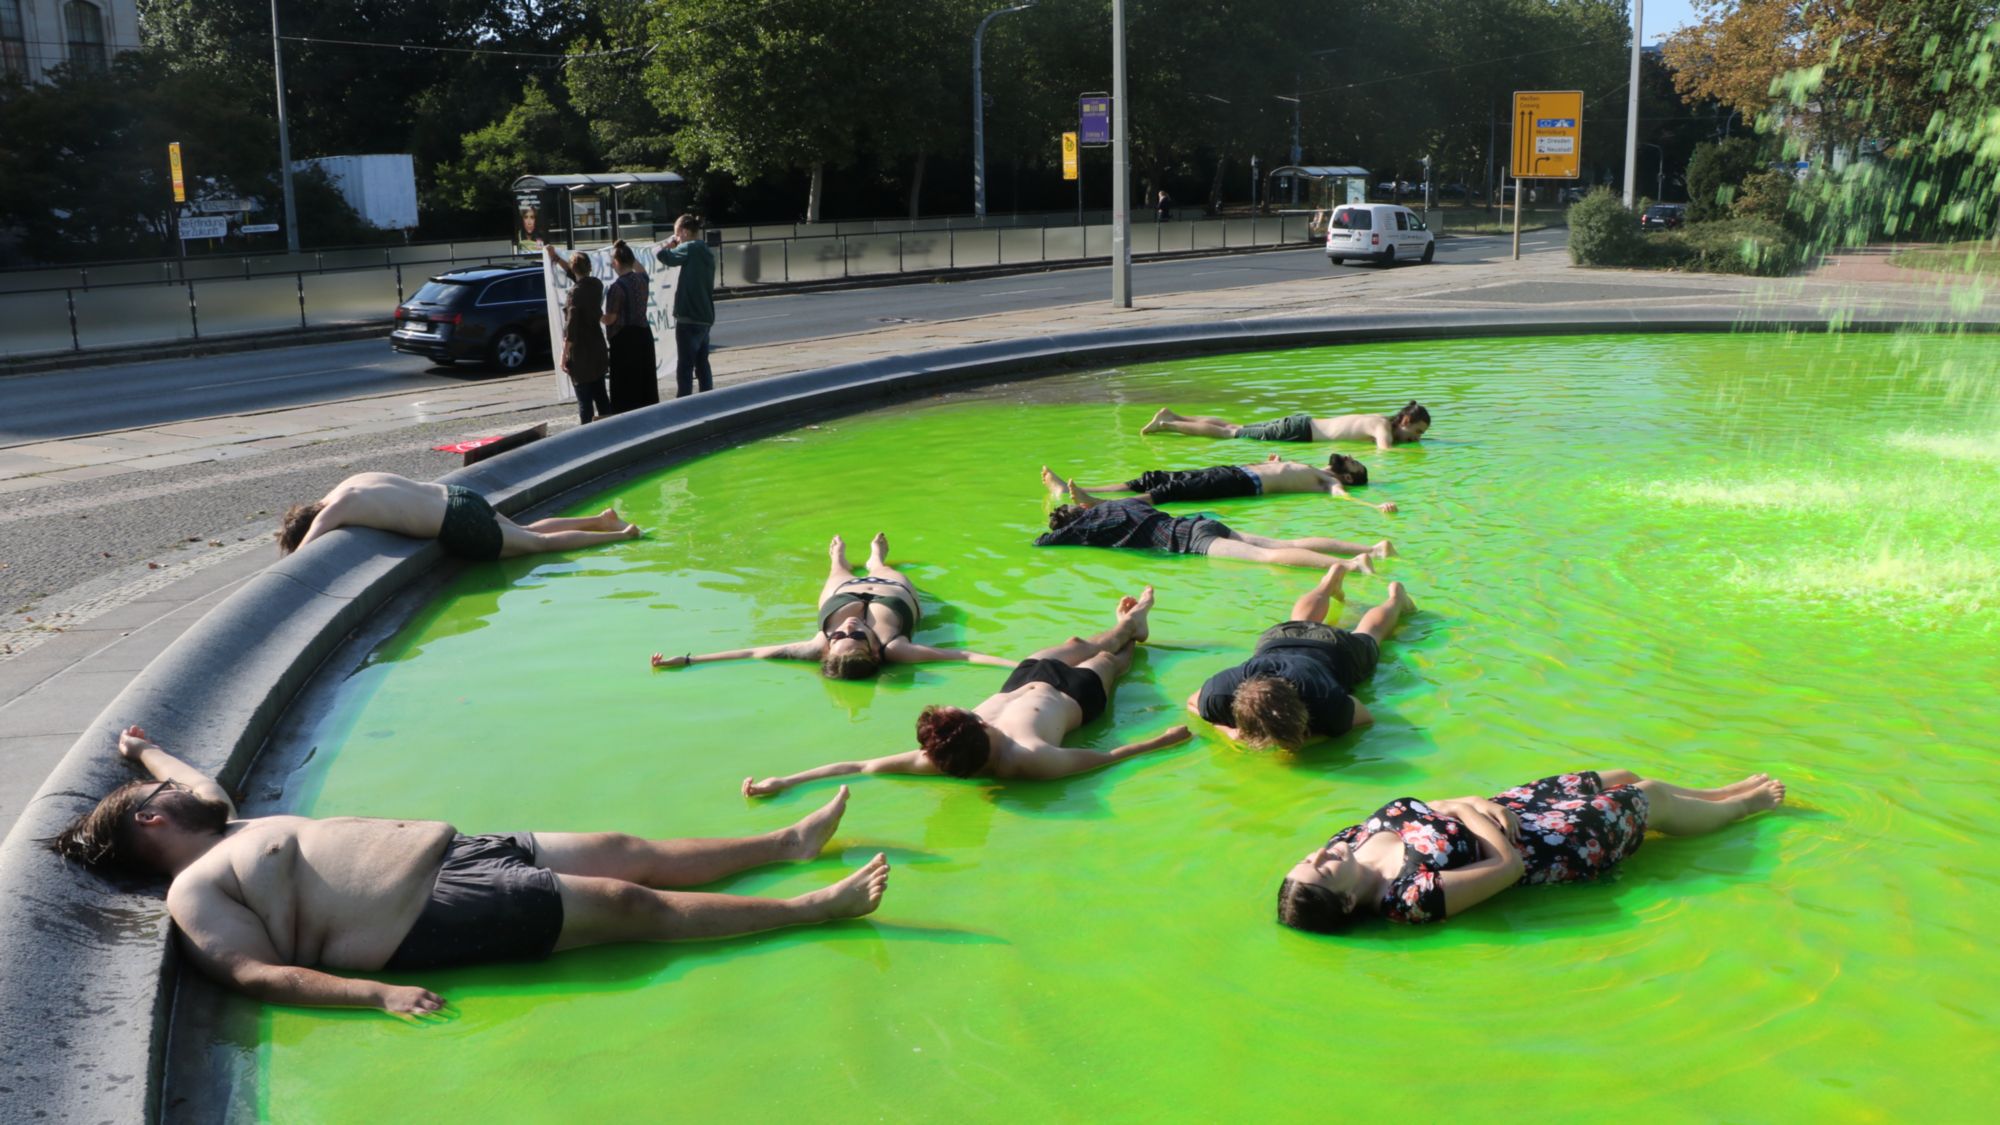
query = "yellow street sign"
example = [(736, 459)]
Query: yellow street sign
[(1069, 156), (1548, 134), (174, 162)]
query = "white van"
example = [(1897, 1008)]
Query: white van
[(1382, 233)]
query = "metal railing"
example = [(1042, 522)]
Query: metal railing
[(209, 297)]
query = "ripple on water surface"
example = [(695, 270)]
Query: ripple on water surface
[(1694, 557)]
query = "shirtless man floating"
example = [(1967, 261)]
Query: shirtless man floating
[(1262, 478), (261, 902), (461, 520), (1407, 424), (1132, 524), (1018, 733)]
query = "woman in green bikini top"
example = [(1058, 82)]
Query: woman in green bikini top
[(864, 623)]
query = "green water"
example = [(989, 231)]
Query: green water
[(1694, 557)]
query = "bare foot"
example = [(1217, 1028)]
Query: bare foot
[(609, 520), (1723, 793), (878, 550), (631, 531), (1058, 487), (1382, 550), (1080, 498), (1401, 598), (805, 839), (1768, 794), (860, 893), (1363, 563), (1132, 612), (836, 551), (1159, 421)]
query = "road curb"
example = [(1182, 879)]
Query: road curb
[(90, 971)]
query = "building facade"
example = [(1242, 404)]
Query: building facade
[(38, 36)]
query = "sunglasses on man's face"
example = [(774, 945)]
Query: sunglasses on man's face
[(162, 788)]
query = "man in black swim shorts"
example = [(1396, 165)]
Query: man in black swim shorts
[(1270, 477), (1087, 521), (461, 520), (1018, 733), (263, 903), (1299, 684)]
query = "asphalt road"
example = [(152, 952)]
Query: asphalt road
[(95, 400)]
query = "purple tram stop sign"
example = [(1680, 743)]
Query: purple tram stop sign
[(1093, 115)]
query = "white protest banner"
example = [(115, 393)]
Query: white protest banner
[(659, 317)]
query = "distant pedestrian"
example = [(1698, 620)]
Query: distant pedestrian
[(584, 354), (635, 371), (694, 304), (1163, 208)]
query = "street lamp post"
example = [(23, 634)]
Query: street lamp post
[(1632, 102), (978, 110), (284, 137), (1121, 169)]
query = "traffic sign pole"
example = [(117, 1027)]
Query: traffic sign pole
[(1517, 216)]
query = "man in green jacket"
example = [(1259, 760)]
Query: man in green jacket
[(694, 303)]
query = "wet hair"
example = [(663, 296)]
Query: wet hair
[(849, 665), (622, 254), (1313, 908), (292, 528), (690, 220), (1269, 713), (106, 836), (1410, 415), (1065, 515), (954, 740), (1347, 470), (579, 264)]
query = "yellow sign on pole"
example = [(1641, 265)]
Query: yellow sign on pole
[(174, 162), (1548, 134), (1069, 156)]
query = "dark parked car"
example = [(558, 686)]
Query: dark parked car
[(1663, 216), (495, 313)]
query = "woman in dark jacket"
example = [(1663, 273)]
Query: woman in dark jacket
[(584, 355), (635, 376)]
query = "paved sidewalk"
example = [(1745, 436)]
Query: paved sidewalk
[(62, 664)]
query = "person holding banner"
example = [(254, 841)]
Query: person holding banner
[(584, 355), (635, 372), (694, 304)]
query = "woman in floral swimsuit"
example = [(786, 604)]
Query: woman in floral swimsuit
[(1413, 861)]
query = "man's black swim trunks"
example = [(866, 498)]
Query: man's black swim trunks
[(1137, 525), (471, 531), (1292, 427), (1079, 684), (1217, 483), (490, 903)]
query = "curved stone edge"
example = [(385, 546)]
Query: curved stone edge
[(85, 965)]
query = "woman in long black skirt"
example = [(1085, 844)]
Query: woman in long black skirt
[(635, 376)]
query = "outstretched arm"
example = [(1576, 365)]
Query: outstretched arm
[(903, 650), (1067, 761), (230, 944), (134, 746), (909, 761), (558, 260), (1339, 491), (797, 650)]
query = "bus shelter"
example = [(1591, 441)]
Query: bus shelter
[(1315, 189), (595, 207)]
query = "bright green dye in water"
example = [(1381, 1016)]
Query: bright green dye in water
[(1695, 557)]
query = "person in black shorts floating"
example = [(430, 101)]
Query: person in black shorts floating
[(265, 903), (461, 520), (863, 623), (1018, 733), (1299, 686), (1221, 482), (1405, 425), (1089, 521), (1418, 861)]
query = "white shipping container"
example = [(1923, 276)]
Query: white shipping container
[(382, 187)]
